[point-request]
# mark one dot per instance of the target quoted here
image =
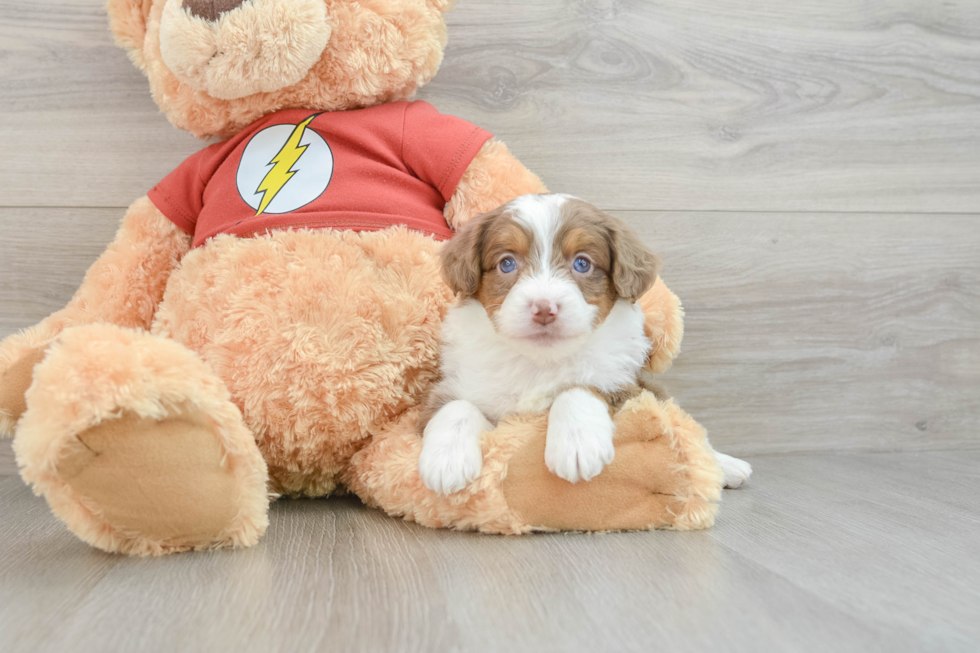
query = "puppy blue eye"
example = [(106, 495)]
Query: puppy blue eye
[(508, 265), (582, 265)]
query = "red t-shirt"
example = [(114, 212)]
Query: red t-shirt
[(366, 170)]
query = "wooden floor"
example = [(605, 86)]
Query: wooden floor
[(829, 552), (809, 172)]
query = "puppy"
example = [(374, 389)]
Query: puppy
[(547, 320)]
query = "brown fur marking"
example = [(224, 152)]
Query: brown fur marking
[(460, 258), (633, 267), (586, 230), (623, 267), (502, 237), (434, 401)]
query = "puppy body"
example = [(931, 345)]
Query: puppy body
[(547, 319), (499, 376)]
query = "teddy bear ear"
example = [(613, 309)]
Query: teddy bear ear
[(442, 5), (127, 19)]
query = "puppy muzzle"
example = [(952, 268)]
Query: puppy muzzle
[(233, 48)]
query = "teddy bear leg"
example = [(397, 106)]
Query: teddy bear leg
[(19, 353), (664, 475), (14, 381), (136, 445), (385, 475)]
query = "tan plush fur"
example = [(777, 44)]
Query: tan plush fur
[(127, 20), (494, 174), (94, 374), (664, 325), (666, 479), (379, 51), (385, 474), (123, 287), (664, 476), (260, 46), (322, 337), (291, 362)]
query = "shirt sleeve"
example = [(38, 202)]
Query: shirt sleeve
[(180, 195), (438, 148)]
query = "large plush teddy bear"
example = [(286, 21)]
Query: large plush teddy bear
[(266, 321)]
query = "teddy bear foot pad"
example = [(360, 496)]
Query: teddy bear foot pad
[(135, 461)]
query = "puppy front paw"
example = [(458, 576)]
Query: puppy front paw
[(580, 436), (451, 456), (736, 471), (450, 468)]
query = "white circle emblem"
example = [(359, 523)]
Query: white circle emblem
[(283, 168)]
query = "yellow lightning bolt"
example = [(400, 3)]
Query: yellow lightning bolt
[(283, 163)]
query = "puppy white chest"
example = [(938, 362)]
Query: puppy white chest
[(501, 377)]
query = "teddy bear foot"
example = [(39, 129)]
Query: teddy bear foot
[(663, 475), (136, 446), (158, 485)]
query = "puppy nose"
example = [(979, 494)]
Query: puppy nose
[(545, 312), (211, 9)]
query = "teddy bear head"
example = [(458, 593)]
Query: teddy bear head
[(216, 66)]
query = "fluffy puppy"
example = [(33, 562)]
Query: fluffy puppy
[(547, 319)]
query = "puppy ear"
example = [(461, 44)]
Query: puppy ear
[(635, 267), (462, 257), (127, 20)]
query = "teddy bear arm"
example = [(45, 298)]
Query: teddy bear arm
[(664, 326), (664, 475), (494, 177), (126, 283), (123, 287)]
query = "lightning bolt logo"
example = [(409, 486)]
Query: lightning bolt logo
[(282, 165)]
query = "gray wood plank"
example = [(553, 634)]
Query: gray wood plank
[(44, 253), (863, 552), (804, 332), (825, 332), (888, 538), (715, 105), (681, 104), (76, 111), (8, 466)]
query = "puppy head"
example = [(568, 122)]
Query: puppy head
[(548, 269)]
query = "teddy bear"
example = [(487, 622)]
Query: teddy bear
[(266, 321)]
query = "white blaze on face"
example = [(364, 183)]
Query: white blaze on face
[(544, 282)]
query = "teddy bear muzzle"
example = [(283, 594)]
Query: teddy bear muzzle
[(234, 48)]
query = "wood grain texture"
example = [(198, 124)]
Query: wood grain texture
[(865, 552), (814, 105), (816, 332), (804, 332), (45, 253), (8, 466), (825, 332), (710, 104)]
